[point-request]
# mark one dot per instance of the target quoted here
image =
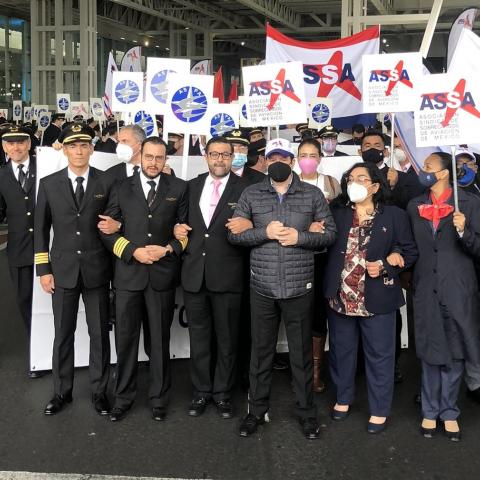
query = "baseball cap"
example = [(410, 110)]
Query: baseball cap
[(279, 145)]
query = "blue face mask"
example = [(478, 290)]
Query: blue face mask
[(427, 179), (466, 176), (239, 160)]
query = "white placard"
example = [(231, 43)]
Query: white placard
[(80, 108), (64, 105), (188, 103), (447, 110), (4, 113), (275, 93), (27, 114), (17, 110), (157, 85), (320, 112), (127, 91), (242, 107), (43, 120), (389, 81), (96, 108), (223, 118), (38, 110), (146, 120)]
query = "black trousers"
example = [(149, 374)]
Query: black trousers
[(216, 316), (65, 311), (22, 280), (159, 308), (319, 322), (297, 315)]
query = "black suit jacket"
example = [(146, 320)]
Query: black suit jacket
[(108, 146), (144, 225), (76, 247), (17, 207), (50, 135), (252, 176), (209, 257), (390, 232), (118, 172)]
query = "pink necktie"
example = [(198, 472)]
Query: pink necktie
[(214, 199)]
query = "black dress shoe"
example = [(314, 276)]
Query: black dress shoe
[(249, 425), (453, 436), (310, 427), (118, 414), (224, 408), (57, 404), (339, 415), (428, 432), (474, 394), (101, 404), (197, 407), (36, 374), (375, 428), (159, 413)]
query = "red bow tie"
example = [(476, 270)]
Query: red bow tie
[(438, 209)]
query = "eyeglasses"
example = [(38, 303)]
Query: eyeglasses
[(361, 179), (216, 155), (156, 158)]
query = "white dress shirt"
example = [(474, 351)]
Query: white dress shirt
[(130, 167), (206, 196), (15, 165), (146, 186), (73, 178)]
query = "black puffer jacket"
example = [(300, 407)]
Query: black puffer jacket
[(276, 271)]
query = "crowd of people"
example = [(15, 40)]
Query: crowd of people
[(252, 243)]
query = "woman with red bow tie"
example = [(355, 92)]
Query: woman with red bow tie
[(445, 292)]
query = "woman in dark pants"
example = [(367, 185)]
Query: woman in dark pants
[(445, 292), (373, 246)]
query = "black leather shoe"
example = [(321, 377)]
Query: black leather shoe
[(453, 436), (375, 428), (339, 415), (249, 425), (36, 374), (474, 394), (224, 408), (310, 427), (101, 404), (159, 413), (428, 432), (118, 414), (198, 406), (57, 404)]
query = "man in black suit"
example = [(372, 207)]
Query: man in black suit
[(17, 207), (212, 279), (240, 157), (109, 145), (147, 272), (69, 201), (53, 131)]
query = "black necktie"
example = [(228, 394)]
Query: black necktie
[(136, 168), (151, 192), (79, 191), (22, 176)]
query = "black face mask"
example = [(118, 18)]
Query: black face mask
[(279, 171), (388, 125), (372, 155), (171, 150)]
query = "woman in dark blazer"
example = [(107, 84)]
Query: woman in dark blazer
[(445, 291), (374, 244)]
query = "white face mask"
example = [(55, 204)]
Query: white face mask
[(356, 192), (399, 155), (124, 152)]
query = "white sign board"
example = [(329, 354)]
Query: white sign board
[(275, 94), (64, 104), (145, 119), (27, 114), (43, 120), (38, 110), (96, 108), (320, 112), (389, 81), (17, 110), (447, 110), (158, 84), (242, 107), (127, 91), (80, 108), (223, 118), (188, 104)]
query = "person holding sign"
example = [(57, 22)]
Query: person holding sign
[(53, 131), (363, 289), (446, 304), (282, 209), (76, 263)]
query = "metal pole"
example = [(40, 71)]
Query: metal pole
[(454, 179), (392, 140), (186, 148), (430, 30)]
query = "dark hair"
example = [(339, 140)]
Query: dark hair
[(310, 141), (380, 198), (374, 133), (358, 128), (218, 140), (446, 161), (154, 141)]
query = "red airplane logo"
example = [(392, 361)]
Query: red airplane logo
[(133, 55), (396, 76), (278, 88), (324, 89)]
